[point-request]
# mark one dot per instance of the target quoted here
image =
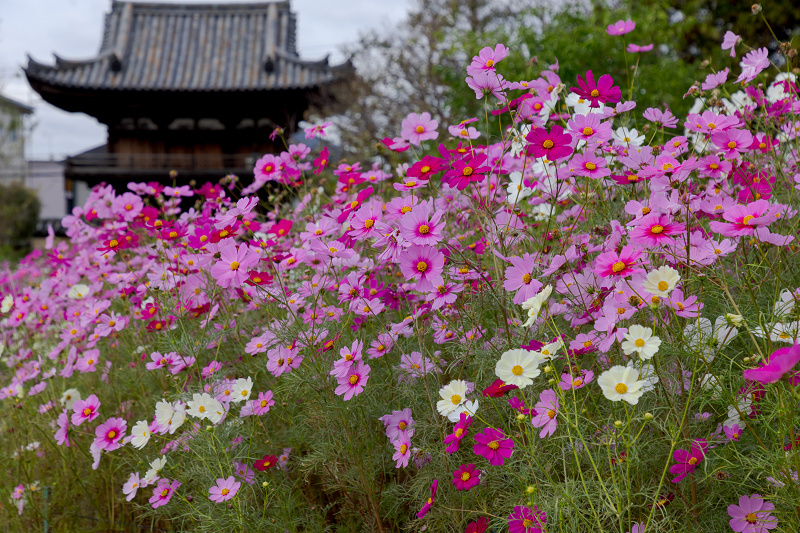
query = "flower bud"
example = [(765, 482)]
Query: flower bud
[(618, 423), (531, 489), (520, 417), (756, 9), (548, 369), (735, 320), (648, 416)]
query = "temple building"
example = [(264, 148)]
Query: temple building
[(195, 88)]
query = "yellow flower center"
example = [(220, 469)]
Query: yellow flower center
[(587, 130), (526, 278), (403, 449), (516, 370), (164, 493), (489, 63), (111, 434), (595, 93), (224, 492), (459, 432), (551, 414), (87, 411), (639, 343), (422, 266), (657, 229), (353, 379), (465, 476), (405, 209), (590, 166), (577, 382), (113, 243), (401, 426), (424, 229), (693, 461), (420, 129), (619, 266), (621, 388), (732, 145), (455, 399), (547, 144), (746, 220), (494, 445), (467, 171), (663, 285), (234, 265), (751, 517)]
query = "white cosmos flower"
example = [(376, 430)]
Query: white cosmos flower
[(79, 291), (518, 367), (204, 406), (621, 383), (549, 350), (69, 397), (141, 434), (171, 416), (242, 389), (647, 374), (453, 395), (516, 188), (534, 304), (7, 303), (641, 340), (661, 281), (155, 469), (628, 136), (470, 407)]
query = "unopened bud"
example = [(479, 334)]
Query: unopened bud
[(756, 9), (548, 369), (618, 423), (531, 489), (648, 416)]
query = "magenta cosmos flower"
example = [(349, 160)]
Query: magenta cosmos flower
[(417, 128), (85, 410), (655, 229), (234, 264), (427, 506), (752, 515), (686, 461), (776, 366), (526, 520), (422, 225), (635, 48), (619, 263), (423, 264), (163, 492), (109, 433), (353, 382), (466, 477), (554, 145), (224, 490), (744, 219), (453, 440), (494, 446), (466, 171), (733, 142), (621, 27), (602, 91)]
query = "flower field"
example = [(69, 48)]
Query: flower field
[(566, 314)]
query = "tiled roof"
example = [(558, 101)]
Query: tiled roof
[(192, 47)]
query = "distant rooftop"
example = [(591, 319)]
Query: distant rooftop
[(191, 47), (24, 109)]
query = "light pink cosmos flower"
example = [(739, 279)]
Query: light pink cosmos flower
[(635, 48), (752, 515), (742, 219), (422, 225), (85, 410), (568, 381), (714, 80), (163, 492), (318, 129), (88, 361), (234, 264), (621, 27), (62, 433), (519, 278), (353, 383), (546, 413), (487, 59), (588, 165), (729, 42), (424, 264), (261, 405), (110, 323), (487, 82), (655, 229), (127, 206), (733, 142), (109, 434), (402, 451), (230, 217), (132, 486), (417, 128), (752, 65)]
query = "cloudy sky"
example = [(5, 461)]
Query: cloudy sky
[(73, 30)]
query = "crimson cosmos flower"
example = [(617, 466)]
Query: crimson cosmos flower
[(554, 145), (603, 91)]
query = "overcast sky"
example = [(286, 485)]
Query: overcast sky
[(73, 30)]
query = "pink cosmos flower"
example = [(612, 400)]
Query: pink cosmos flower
[(714, 80), (554, 145), (519, 278), (231, 216), (546, 413), (568, 381), (662, 119), (88, 361), (487, 59), (494, 446), (621, 27), (733, 432), (635, 48), (655, 229), (687, 462), (224, 490), (163, 492), (733, 142), (603, 91), (752, 515), (453, 440), (424, 264), (261, 405), (318, 129), (777, 365), (752, 65), (417, 128), (427, 506), (587, 164), (743, 219), (85, 410), (109, 433), (729, 42), (525, 520), (402, 451), (486, 82), (466, 171), (353, 383), (234, 264), (62, 433), (399, 424), (422, 225), (466, 477), (619, 263), (590, 128)]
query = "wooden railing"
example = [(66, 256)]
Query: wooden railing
[(161, 161)]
